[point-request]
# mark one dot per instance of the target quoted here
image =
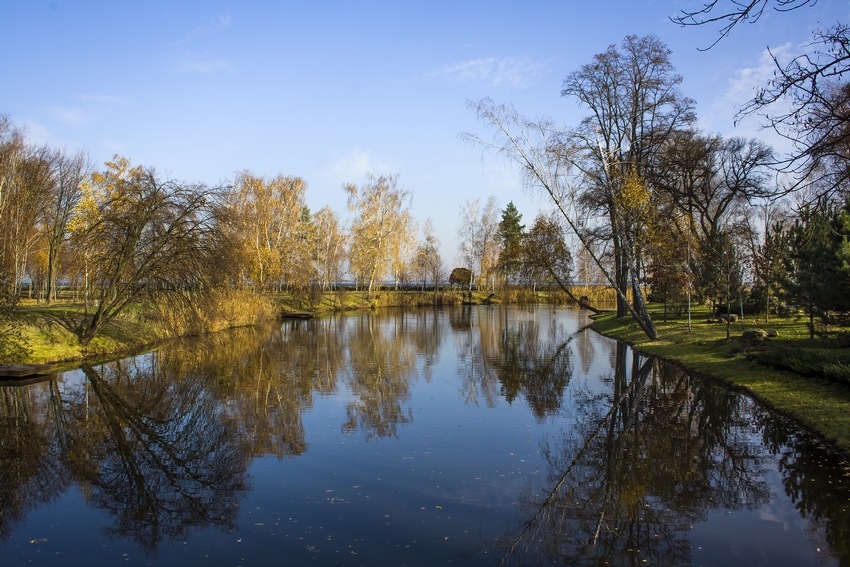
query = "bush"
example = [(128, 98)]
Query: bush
[(821, 363)]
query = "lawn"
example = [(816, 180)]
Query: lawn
[(821, 405)]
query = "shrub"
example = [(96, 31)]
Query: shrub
[(822, 363)]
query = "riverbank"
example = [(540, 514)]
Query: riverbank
[(48, 331), (820, 405)]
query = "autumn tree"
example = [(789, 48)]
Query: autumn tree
[(330, 247), (461, 277), (25, 181), (146, 239), (12, 147), (478, 238), (380, 228), (402, 252), (271, 226), (428, 264), (545, 253), (635, 107)]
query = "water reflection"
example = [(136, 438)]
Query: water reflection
[(819, 490), (638, 452), (647, 460), (155, 449), (31, 471)]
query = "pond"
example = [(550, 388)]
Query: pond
[(480, 435)]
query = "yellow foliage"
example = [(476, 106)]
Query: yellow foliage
[(85, 213), (634, 198)]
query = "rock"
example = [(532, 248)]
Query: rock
[(751, 334), (772, 333), (842, 340), (710, 320), (732, 317)]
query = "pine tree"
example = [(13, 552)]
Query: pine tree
[(511, 233)]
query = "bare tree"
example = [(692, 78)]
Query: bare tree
[(816, 118), (606, 165), (730, 13), (69, 171)]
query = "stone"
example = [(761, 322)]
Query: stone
[(751, 334), (733, 318), (772, 333), (842, 340)]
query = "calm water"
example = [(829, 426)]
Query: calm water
[(476, 436)]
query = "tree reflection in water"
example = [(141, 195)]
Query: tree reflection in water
[(646, 461), (156, 449), (382, 363), (513, 354), (630, 463), (813, 482), (31, 472)]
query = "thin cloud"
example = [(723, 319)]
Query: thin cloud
[(212, 26), (70, 115), (747, 80), (105, 99), (513, 71), (742, 88), (352, 168), (192, 64)]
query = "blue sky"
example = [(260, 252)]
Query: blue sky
[(331, 90)]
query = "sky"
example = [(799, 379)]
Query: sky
[(332, 90)]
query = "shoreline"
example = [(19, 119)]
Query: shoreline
[(820, 407)]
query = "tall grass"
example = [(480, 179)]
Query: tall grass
[(211, 312), (823, 363)]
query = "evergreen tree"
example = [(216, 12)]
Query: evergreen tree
[(511, 233), (819, 270)]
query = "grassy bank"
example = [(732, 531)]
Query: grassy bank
[(48, 331), (819, 404)]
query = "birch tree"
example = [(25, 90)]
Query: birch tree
[(330, 247), (271, 219), (478, 238), (428, 264), (382, 223), (69, 171)]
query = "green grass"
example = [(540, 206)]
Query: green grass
[(48, 333), (823, 406)]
